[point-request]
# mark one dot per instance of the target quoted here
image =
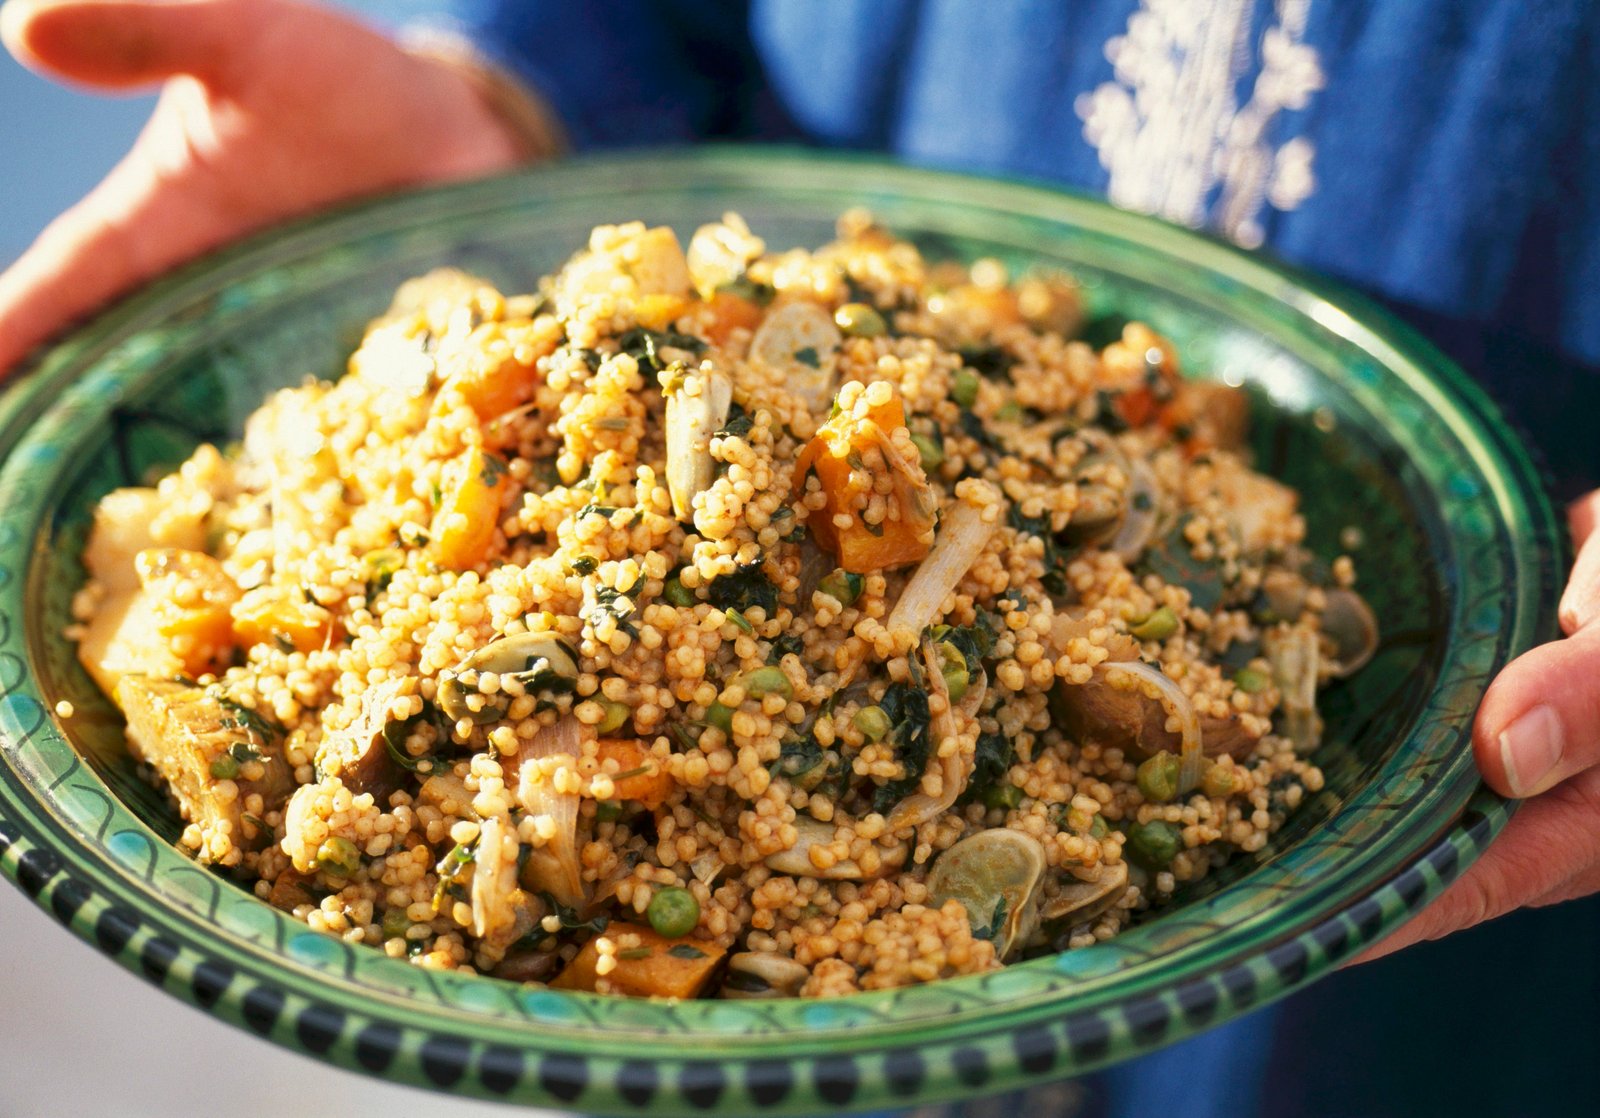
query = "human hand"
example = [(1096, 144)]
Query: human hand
[(1537, 738), (271, 108)]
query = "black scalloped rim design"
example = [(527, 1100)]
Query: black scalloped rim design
[(1040, 1051)]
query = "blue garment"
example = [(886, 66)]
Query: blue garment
[(1447, 152)]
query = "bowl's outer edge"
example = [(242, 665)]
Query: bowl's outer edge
[(86, 894)]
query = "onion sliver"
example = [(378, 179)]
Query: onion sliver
[(964, 533), (554, 865), (1173, 699)]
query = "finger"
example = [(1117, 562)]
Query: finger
[(1540, 722), (1580, 602), (116, 44), (1549, 851), (127, 230), (1582, 516)]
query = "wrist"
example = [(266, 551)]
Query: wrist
[(529, 124)]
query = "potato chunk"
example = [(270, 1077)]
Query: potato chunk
[(128, 521), (212, 755)]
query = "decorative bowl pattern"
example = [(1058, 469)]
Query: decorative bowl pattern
[(1461, 558)]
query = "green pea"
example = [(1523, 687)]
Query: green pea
[(339, 856), (1010, 412), (873, 722), (1157, 627), (767, 681), (1098, 827), (395, 923), (1154, 844), (932, 453), (616, 715), (1003, 795), (677, 594), (1217, 781), (1250, 681), (1158, 777), (721, 717), (224, 768), (964, 389), (859, 320), (673, 912), (956, 676), (842, 586)]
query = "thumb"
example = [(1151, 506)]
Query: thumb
[(1540, 721), (117, 44)]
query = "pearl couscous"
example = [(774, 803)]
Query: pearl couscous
[(725, 622)]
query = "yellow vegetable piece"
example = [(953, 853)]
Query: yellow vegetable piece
[(469, 509), (282, 615), (191, 596), (657, 968)]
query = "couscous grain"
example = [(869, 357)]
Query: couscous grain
[(725, 623)]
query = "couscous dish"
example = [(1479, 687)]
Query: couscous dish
[(725, 623)]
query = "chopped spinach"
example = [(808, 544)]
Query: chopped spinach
[(571, 921), (743, 589), (991, 764), (907, 708), (991, 362), (785, 645), (494, 468), (1056, 554), (684, 951), (739, 422), (645, 346), (237, 716), (1172, 559), (799, 755), (616, 603), (980, 433)]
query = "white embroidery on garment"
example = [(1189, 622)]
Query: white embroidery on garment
[(1170, 130)]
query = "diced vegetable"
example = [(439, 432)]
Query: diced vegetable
[(284, 617), (191, 595), (122, 639), (358, 754), (500, 371), (128, 521), (469, 508), (659, 967), (179, 730), (641, 776), (836, 456)]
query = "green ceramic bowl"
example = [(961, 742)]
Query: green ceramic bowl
[(1460, 560)]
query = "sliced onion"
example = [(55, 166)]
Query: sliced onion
[(1139, 520), (554, 867), (962, 537), (1191, 752), (494, 880)]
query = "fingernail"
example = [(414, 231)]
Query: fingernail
[(1530, 750)]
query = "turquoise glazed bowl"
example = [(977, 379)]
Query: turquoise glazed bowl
[(1460, 560)]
